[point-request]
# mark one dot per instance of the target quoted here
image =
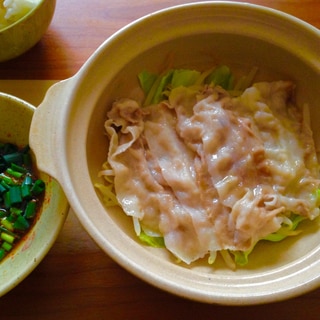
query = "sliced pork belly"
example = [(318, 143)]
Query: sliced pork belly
[(210, 172)]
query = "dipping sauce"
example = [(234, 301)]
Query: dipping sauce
[(20, 195)]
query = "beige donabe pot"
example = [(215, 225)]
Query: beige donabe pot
[(68, 137)]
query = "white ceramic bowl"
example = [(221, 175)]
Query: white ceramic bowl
[(238, 34), (15, 120), (22, 35)]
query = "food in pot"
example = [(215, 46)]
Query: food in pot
[(13, 10), (206, 166), (21, 195)]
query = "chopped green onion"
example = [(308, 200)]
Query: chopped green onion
[(25, 191), (30, 210), (15, 211), (14, 196), (27, 181), (3, 188), (26, 187), (5, 185), (2, 253), (3, 213), (13, 173), (38, 187), (8, 180), (7, 237), (6, 246), (21, 223), (8, 231), (6, 200), (15, 157), (18, 168), (7, 224)]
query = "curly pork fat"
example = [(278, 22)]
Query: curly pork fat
[(211, 172)]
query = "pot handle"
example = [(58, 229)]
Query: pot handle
[(47, 127)]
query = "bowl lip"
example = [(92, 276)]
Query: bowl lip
[(35, 260), (17, 100), (24, 17), (262, 9), (133, 266)]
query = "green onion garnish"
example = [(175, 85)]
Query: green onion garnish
[(20, 193)]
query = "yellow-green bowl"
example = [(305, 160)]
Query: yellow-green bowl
[(15, 121), (22, 35)]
